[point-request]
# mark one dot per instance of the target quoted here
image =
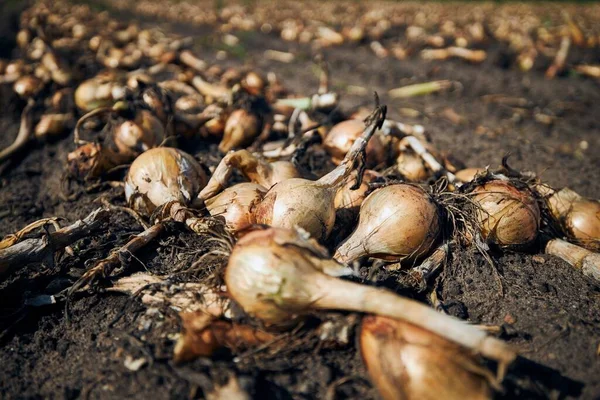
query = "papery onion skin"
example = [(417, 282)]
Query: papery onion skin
[(241, 128), (340, 138), (411, 166), (347, 198), (138, 135), (298, 203), (507, 216), (234, 204), (408, 362), (578, 217), (396, 222), (161, 175)]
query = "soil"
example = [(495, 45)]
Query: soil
[(546, 309)]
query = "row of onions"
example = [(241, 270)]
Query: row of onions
[(388, 194), (535, 37)]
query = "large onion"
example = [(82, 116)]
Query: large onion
[(507, 216), (396, 222), (161, 175), (278, 276), (408, 362)]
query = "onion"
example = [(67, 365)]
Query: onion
[(138, 135), (395, 222), (310, 205), (28, 86), (507, 216), (162, 175), (340, 138), (97, 92), (278, 276), (53, 125), (578, 217), (257, 170), (253, 83), (347, 198), (235, 204), (411, 166), (241, 128), (408, 362)]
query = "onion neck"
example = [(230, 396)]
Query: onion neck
[(339, 176), (339, 294)]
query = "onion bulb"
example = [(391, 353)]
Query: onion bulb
[(278, 276), (140, 134), (28, 86), (507, 216), (396, 222), (98, 92), (340, 138), (308, 204), (578, 217), (408, 362), (241, 128), (349, 199), (162, 175), (235, 204), (411, 166)]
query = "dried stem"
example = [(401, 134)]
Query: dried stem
[(25, 133), (43, 250)]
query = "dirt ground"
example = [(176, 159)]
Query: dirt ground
[(546, 309)]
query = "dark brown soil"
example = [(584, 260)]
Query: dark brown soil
[(545, 308)]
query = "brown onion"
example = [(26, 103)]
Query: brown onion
[(468, 174), (407, 362), (396, 222), (235, 204), (28, 86), (162, 175), (507, 216), (349, 199), (411, 166), (279, 276), (241, 128), (578, 217), (340, 138), (138, 135)]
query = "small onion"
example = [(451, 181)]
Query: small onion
[(235, 204), (28, 86), (340, 138), (241, 128), (253, 83), (578, 217), (396, 222), (349, 199), (53, 125), (507, 216), (161, 175), (408, 362), (142, 133), (411, 166), (279, 276)]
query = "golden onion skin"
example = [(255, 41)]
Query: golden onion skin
[(582, 224), (161, 175), (340, 138), (300, 203), (396, 222), (408, 362), (235, 204), (507, 216)]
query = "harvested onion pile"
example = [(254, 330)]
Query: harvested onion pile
[(222, 153)]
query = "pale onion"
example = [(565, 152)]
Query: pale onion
[(140, 134), (578, 217), (278, 276), (241, 128), (162, 175), (507, 216), (396, 222), (347, 198), (410, 363), (340, 138), (411, 166), (235, 204), (310, 205)]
